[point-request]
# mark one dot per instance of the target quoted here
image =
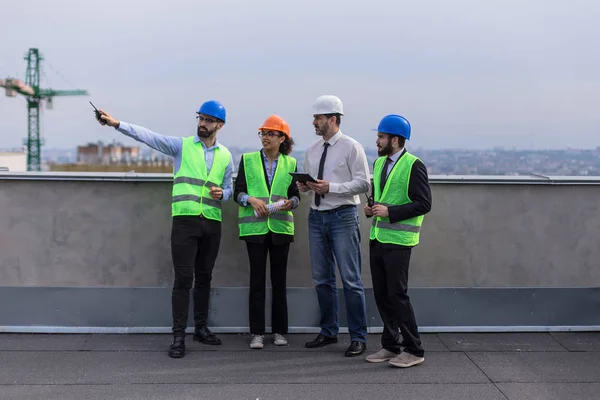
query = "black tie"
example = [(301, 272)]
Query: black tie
[(384, 174), (320, 174)]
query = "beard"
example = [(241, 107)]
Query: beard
[(385, 151), (205, 133), (321, 130)]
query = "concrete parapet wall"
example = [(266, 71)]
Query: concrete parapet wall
[(83, 233), (91, 253)]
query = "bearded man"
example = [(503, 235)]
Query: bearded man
[(203, 179)]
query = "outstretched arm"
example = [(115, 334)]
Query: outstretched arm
[(169, 145)]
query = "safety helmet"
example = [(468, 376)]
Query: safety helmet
[(214, 109), (276, 123), (328, 104), (394, 124)]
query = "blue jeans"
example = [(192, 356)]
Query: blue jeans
[(335, 237)]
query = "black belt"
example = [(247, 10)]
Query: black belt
[(335, 209)]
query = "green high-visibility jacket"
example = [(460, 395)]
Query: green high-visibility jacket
[(281, 222), (395, 193), (191, 184)]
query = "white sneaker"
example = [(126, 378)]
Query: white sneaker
[(257, 342), (279, 340), (405, 360), (381, 356)]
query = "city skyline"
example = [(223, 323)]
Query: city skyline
[(466, 74), (570, 162), (302, 149)]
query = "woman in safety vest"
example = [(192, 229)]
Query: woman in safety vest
[(266, 194)]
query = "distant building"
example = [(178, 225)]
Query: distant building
[(113, 153), (13, 160), (112, 157)]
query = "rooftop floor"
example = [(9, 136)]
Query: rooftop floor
[(462, 366)]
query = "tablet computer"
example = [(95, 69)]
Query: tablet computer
[(302, 177)]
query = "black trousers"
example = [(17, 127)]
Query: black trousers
[(389, 272), (257, 253), (194, 247)]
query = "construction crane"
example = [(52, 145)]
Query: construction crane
[(34, 94)]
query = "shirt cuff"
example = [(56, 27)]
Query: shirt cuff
[(334, 187), (226, 194), (244, 200), (123, 127)]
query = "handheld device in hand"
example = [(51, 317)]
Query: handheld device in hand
[(370, 203), (96, 112), (302, 177), (272, 207)]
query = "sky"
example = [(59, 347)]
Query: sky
[(467, 74)]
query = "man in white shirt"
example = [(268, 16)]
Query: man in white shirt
[(339, 164)]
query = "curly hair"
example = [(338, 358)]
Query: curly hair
[(286, 146)]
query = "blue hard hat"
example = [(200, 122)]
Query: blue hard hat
[(394, 124), (214, 109)]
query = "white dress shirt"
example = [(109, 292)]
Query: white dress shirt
[(346, 169)]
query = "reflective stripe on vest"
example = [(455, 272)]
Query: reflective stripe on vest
[(395, 193), (280, 221), (191, 184)]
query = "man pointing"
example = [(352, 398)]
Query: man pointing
[(203, 170)]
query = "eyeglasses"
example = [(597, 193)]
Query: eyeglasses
[(269, 134), (205, 119)]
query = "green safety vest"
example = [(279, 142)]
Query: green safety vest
[(191, 184), (395, 193), (280, 221)]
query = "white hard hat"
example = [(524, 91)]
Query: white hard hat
[(328, 104)]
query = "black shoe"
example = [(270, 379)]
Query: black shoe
[(320, 341), (204, 335), (356, 349), (177, 349)]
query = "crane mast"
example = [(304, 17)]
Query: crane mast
[(34, 96)]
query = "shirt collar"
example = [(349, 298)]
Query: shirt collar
[(334, 138), (396, 156), (264, 155), (215, 146)]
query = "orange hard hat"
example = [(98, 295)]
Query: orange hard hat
[(276, 123)]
